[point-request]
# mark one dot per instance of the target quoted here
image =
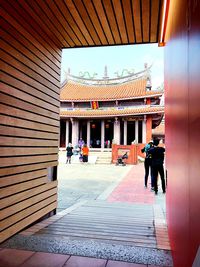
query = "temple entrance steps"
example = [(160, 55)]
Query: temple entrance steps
[(103, 156), (96, 156)]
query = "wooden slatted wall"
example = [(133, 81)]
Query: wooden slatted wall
[(29, 119), (33, 34)]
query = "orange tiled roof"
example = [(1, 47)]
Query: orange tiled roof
[(72, 91), (85, 113)]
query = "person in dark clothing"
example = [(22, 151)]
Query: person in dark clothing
[(69, 150), (147, 165), (157, 153)]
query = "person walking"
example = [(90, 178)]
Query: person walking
[(148, 165), (69, 150), (157, 153), (81, 143), (85, 153)]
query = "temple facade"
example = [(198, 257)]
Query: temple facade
[(121, 110)]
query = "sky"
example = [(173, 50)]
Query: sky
[(116, 58)]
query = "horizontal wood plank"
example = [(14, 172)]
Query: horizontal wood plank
[(26, 168), (10, 200), (33, 27), (12, 141), (14, 102), (38, 20), (29, 118), (11, 111), (13, 189), (19, 151), (51, 19), (22, 177), (26, 92), (25, 203), (22, 44), (67, 31), (29, 72), (12, 161), (26, 221), (26, 212), (20, 75), (28, 62), (33, 43), (23, 132), (20, 122)]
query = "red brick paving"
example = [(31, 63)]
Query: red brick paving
[(42, 259), (22, 258), (13, 257), (76, 261), (131, 189)]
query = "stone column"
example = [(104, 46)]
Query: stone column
[(136, 132), (144, 136), (75, 129), (88, 133), (117, 131), (125, 132), (67, 133), (80, 130), (102, 134)]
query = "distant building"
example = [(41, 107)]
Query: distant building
[(102, 111)]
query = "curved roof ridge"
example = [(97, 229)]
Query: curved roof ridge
[(107, 85), (107, 80), (73, 91)]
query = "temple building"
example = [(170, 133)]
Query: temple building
[(103, 111)]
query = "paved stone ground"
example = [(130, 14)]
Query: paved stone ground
[(82, 182), (77, 182)]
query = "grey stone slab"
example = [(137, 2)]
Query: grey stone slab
[(91, 248)]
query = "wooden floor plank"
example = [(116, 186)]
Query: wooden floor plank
[(106, 222)]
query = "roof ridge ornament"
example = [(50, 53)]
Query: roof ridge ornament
[(124, 71), (86, 73), (106, 80), (106, 77), (147, 75)]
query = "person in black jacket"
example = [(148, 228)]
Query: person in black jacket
[(157, 153), (147, 165)]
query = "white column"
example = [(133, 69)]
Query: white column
[(144, 130), (80, 130), (117, 131), (102, 133), (75, 129), (67, 134), (88, 133), (125, 132), (136, 132)]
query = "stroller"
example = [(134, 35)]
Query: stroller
[(120, 160)]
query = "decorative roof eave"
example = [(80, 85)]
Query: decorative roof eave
[(106, 113), (156, 94), (130, 77)]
